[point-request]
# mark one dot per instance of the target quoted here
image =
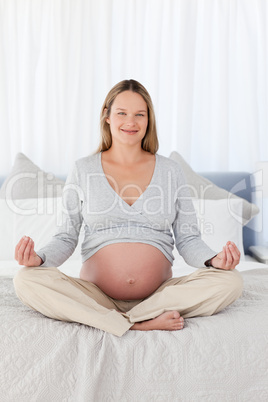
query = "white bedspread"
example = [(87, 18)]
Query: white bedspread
[(218, 358)]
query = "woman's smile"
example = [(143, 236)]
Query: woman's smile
[(129, 131)]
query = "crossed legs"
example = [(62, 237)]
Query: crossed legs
[(58, 296)]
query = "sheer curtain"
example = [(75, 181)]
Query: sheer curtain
[(204, 63)]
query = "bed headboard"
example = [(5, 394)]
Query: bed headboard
[(241, 183)]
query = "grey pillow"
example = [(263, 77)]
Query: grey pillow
[(197, 185), (26, 180)]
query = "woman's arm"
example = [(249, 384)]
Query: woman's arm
[(188, 238), (64, 242), (185, 227)]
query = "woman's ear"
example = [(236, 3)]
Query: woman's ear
[(107, 118)]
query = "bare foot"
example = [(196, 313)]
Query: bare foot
[(168, 321)]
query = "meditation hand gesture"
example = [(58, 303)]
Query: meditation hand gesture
[(25, 254), (228, 258)]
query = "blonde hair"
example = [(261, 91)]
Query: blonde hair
[(150, 140)]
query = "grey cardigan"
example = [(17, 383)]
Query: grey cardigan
[(164, 211)]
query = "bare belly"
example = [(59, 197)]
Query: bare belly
[(127, 271)]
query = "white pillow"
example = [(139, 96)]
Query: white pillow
[(220, 221), (34, 217), (27, 180)]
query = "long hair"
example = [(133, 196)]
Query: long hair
[(150, 140)]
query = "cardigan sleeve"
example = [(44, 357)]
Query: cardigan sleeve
[(185, 227), (64, 242)]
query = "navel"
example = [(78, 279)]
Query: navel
[(131, 281)]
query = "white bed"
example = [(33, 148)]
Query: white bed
[(218, 358)]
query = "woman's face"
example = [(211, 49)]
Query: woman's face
[(128, 118)]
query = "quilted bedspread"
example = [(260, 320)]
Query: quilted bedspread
[(218, 358)]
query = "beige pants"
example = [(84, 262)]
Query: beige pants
[(56, 295)]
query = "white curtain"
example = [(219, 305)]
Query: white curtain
[(204, 63)]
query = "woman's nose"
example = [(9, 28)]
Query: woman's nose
[(131, 119)]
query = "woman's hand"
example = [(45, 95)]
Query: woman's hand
[(228, 258), (25, 254)]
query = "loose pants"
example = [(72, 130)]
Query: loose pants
[(56, 295)]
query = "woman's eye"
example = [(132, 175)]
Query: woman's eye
[(124, 114)]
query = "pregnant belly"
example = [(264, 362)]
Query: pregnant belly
[(127, 271)]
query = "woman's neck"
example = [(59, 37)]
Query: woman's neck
[(126, 155)]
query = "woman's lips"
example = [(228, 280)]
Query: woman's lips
[(129, 131)]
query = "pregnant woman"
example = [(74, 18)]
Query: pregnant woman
[(133, 203)]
